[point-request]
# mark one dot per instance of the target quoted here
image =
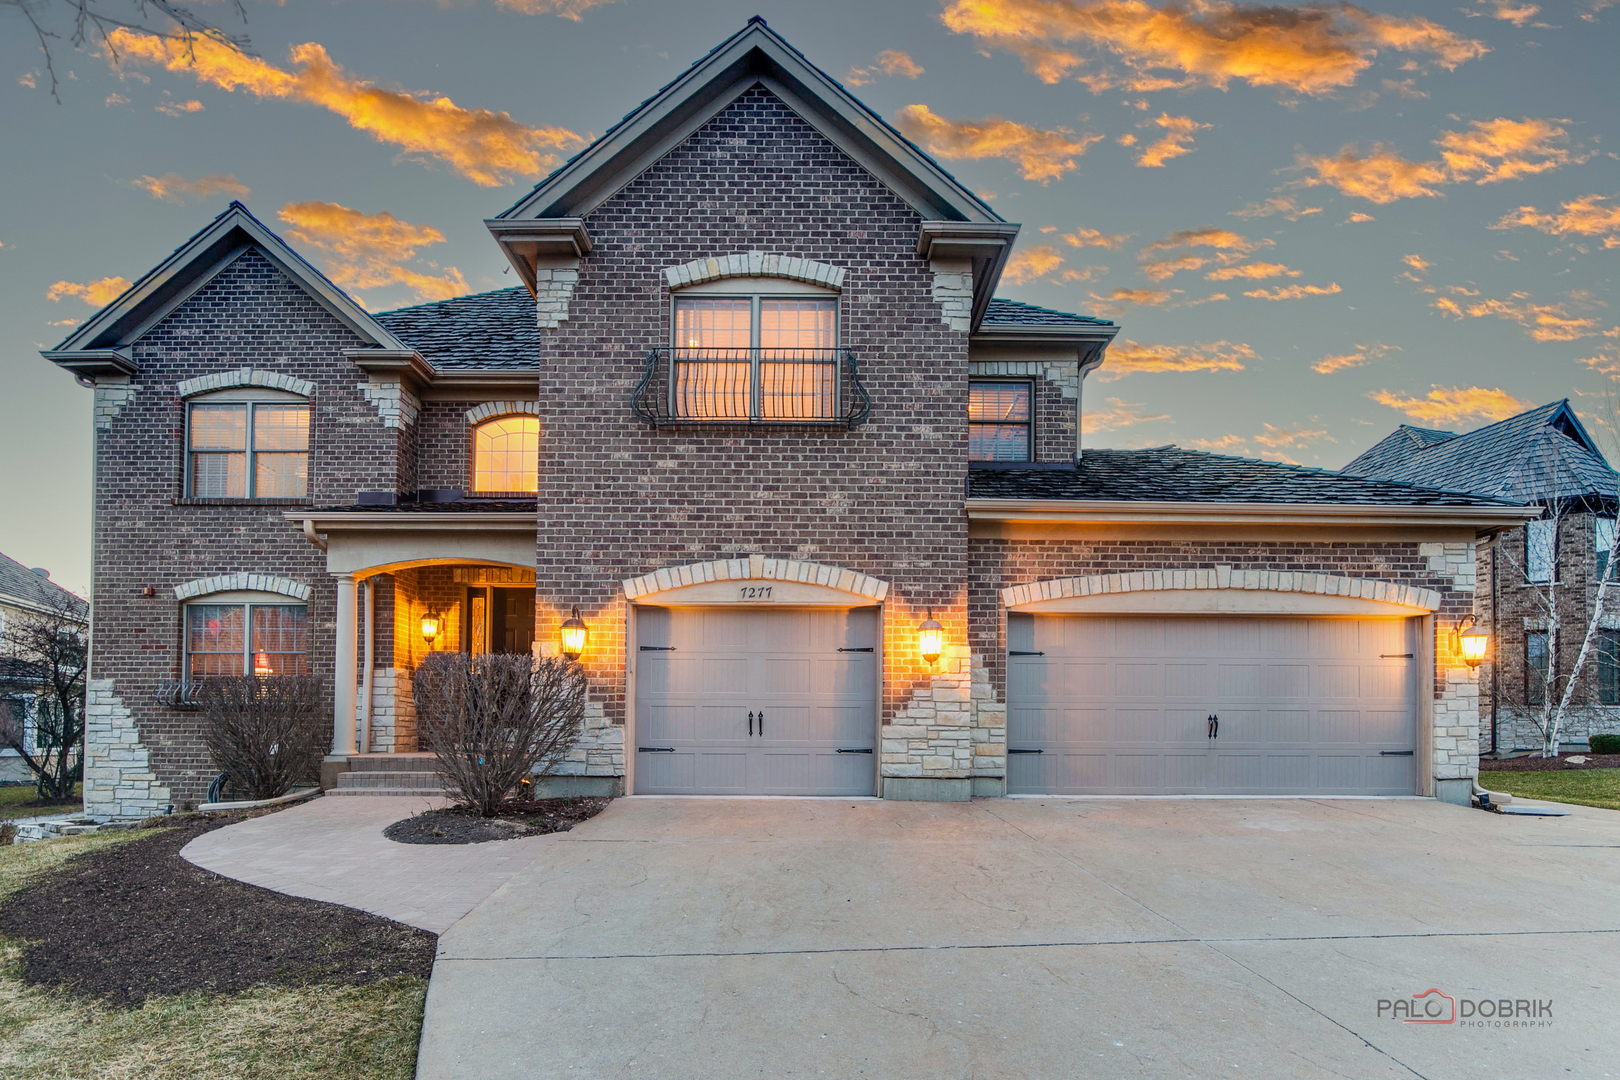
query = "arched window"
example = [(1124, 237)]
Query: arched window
[(506, 455)]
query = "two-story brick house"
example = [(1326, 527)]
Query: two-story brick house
[(757, 418), (1543, 458)]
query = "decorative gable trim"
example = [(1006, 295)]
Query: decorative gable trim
[(225, 380), (755, 264), (1220, 578), (242, 582), (490, 409), (761, 568)]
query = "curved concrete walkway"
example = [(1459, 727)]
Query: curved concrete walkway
[(334, 850)]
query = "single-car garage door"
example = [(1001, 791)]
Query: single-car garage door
[(756, 701), (1102, 705)]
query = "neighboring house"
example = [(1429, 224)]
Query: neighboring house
[(24, 592), (1545, 459), (756, 416)]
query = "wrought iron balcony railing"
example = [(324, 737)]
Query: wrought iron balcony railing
[(757, 387)]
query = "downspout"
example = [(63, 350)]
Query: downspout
[(365, 706), (1496, 643)]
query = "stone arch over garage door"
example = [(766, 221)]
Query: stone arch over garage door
[(1222, 589), (791, 581)]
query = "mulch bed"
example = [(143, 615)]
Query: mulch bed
[(137, 921), (1541, 764), (461, 825)]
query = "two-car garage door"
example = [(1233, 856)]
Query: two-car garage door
[(1211, 705)]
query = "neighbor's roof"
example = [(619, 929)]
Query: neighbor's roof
[(1015, 313), (493, 330), (21, 586), (1171, 474), (1538, 455)]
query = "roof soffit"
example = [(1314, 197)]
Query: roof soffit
[(755, 56), (190, 268)]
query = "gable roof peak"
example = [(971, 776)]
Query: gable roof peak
[(753, 55)]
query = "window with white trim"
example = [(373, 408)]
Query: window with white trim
[(999, 424), (755, 357), (1603, 542), (506, 455), (1541, 550), (246, 638), (247, 449)]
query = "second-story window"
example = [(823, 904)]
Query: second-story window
[(998, 421), (1541, 550), (755, 358), (1603, 541), (506, 455), (248, 450)]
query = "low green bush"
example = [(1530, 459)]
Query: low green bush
[(1604, 744)]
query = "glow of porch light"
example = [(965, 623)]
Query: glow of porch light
[(431, 625), (572, 635), (930, 639), (1474, 645)]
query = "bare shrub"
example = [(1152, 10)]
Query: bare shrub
[(44, 659), (8, 833), (493, 721), (265, 732)]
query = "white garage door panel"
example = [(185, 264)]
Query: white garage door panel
[(1121, 705), (702, 673)]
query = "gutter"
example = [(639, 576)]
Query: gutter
[(1137, 512), (373, 521)]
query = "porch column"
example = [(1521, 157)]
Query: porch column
[(343, 668)]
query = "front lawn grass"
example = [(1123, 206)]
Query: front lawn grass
[(1583, 787), (18, 802), (365, 1032)]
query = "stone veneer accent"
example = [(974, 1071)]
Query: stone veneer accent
[(118, 776), (953, 290), (224, 380), (112, 394), (501, 408), (1063, 374), (553, 289), (397, 406), (755, 264), (757, 566), (393, 713), (600, 750), (242, 582), (1225, 577), (941, 732)]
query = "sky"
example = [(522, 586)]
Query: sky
[(1314, 222)]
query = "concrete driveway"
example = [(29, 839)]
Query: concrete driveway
[(1034, 939)]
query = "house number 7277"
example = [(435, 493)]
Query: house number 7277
[(754, 592)]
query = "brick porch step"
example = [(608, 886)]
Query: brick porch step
[(389, 774)]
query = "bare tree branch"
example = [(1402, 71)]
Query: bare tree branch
[(46, 658), (92, 19)]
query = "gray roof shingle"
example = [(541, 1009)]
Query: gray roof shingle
[(1171, 474), (1015, 313), (1538, 455), (20, 584), (486, 331)]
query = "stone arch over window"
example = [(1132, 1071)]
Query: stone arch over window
[(227, 380), (243, 582), (755, 264), (1223, 589), (491, 409), (722, 581)]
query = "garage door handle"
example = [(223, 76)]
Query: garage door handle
[(657, 648), (1214, 727), (1010, 750), (750, 725), (656, 749), (1395, 753), (1394, 656), (863, 648), (861, 750), (762, 721), (1021, 652)]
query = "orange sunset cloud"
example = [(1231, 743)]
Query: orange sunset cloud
[(1042, 156), (1129, 358), (1456, 405), (1031, 263), (95, 293), (1581, 217), (1179, 131), (172, 187), (366, 251), (488, 148)]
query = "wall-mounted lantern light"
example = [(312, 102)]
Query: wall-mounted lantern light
[(1469, 640), (432, 623), (572, 635), (930, 638)]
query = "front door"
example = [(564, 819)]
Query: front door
[(756, 701)]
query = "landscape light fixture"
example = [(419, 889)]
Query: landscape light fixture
[(930, 638), (1469, 640), (572, 634)]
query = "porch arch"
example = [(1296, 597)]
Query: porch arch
[(1224, 589), (791, 581)]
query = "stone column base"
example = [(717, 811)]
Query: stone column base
[(574, 787), (331, 766), (927, 789), (1457, 792)]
